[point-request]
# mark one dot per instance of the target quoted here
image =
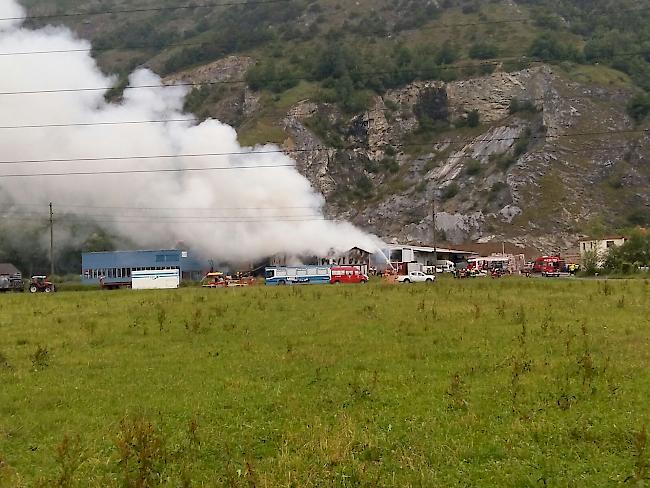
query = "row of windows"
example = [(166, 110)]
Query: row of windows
[(112, 273), (592, 245), (285, 272)]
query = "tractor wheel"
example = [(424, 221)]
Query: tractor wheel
[(33, 289), (48, 289)]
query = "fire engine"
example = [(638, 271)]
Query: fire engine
[(549, 265)]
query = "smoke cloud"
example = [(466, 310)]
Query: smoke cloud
[(249, 213)]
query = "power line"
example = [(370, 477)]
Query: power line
[(146, 218), (78, 219), (142, 10), (523, 20), (217, 168), (311, 150), (198, 209), (144, 171), (415, 72), (91, 124)]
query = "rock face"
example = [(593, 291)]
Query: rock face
[(231, 103), (535, 171), (540, 171)]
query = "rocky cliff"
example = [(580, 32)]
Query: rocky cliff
[(542, 157)]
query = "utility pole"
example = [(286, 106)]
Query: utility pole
[(51, 241), (435, 243)]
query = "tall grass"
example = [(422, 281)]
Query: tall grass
[(473, 383)]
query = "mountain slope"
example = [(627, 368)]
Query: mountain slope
[(496, 110)]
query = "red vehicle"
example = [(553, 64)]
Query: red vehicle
[(549, 265), (40, 284), (347, 274)]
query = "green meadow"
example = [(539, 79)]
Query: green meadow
[(490, 383)]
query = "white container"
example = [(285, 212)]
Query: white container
[(164, 279)]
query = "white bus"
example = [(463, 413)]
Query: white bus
[(298, 275)]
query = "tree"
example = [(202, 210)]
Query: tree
[(631, 255), (590, 262)]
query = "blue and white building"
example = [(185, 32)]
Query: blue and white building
[(114, 268)]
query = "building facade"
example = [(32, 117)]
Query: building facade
[(600, 247), (425, 256), (116, 267)]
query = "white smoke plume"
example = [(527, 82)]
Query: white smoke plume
[(278, 203)]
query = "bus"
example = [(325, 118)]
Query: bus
[(297, 275)]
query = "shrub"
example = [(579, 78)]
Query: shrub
[(473, 118), (450, 191), (472, 167), (525, 105), (481, 50), (549, 48), (363, 186), (639, 107), (522, 143), (390, 165)]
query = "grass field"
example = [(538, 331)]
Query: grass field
[(508, 383)]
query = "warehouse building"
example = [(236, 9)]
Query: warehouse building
[(114, 268)]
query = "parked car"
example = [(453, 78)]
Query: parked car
[(416, 277), (347, 274)]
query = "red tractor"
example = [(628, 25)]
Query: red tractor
[(40, 284)]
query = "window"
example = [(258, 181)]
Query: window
[(610, 244), (322, 271), (301, 272)]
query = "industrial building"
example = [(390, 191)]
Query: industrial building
[(398, 254), (357, 257), (114, 268)]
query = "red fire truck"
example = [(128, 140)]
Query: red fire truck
[(549, 265), (347, 274)]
